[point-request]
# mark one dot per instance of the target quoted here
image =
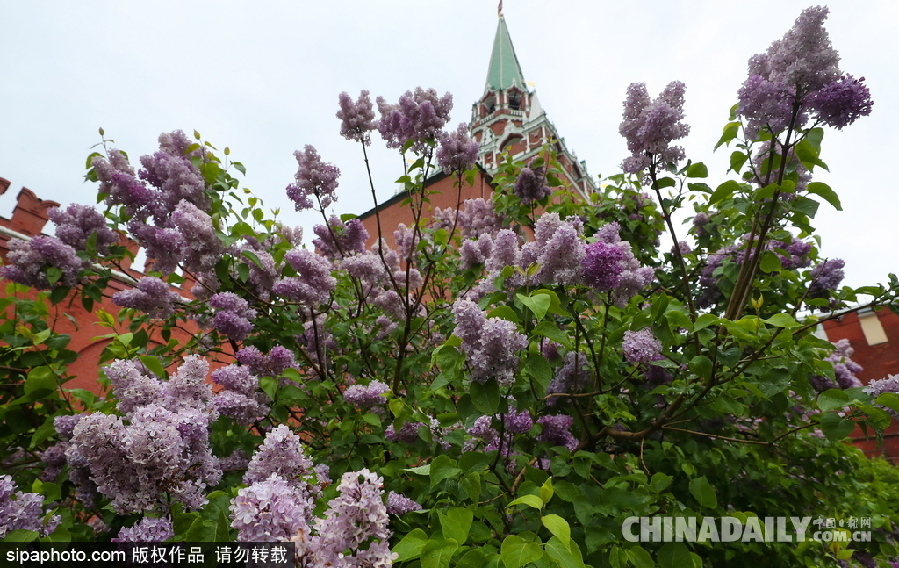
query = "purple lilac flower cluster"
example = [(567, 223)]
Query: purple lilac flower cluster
[(262, 272), (826, 278), (557, 248), (166, 202), (877, 387), (457, 152), (799, 75), (477, 217), (367, 396), (649, 126), (160, 447), (25, 511), (270, 510), (609, 265), (313, 284), (557, 431), (76, 223), (641, 346), (491, 345), (281, 453), (148, 529), (844, 369), (241, 399), (233, 315), (399, 504), (571, 377), (278, 360), (339, 239), (417, 119), (356, 119), (152, 296), (531, 185), (29, 261), (314, 178)]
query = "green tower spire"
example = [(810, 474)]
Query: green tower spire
[(504, 70)]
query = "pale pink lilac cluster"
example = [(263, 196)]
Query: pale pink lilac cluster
[(641, 346), (281, 453), (799, 75), (340, 239), (314, 178), (356, 119), (233, 315), (651, 125), (417, 119), (457, 152), (491, 345), (399, 504), (366, 396), (148, 529), (29, 261), (557, 431), (25, 511), (152, 296), (313, 284)]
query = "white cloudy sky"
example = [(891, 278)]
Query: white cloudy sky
[(263, 77)]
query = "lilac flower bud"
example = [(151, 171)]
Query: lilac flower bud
[(457, 152), (356, 120), (314, 178)]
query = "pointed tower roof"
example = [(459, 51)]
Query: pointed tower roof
[(504, 70)]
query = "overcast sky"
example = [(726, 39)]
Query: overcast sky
[(263, 78)]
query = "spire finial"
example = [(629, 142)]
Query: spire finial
[(499, 9)]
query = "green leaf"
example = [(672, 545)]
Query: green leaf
[(825, 192), (724, 191), (21, 535), (516, 551), (782, 320), (770, 262), (538, 303), (411, 544), (549, 330), (154, 365), (703, 492), (665, 182), (456, 523), (660, 481), (835, 427), (53, 275), (437, 552), (558, 527), (40, 383), (640, 558), (890, 400), (737, 159), (529, 500), (702, 366), (676, 555), (565, 556), (832, 399), (443, 467), (697, 170), (485, 396), (705, 320), (730, 132), (420, 470), (546, 491)]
